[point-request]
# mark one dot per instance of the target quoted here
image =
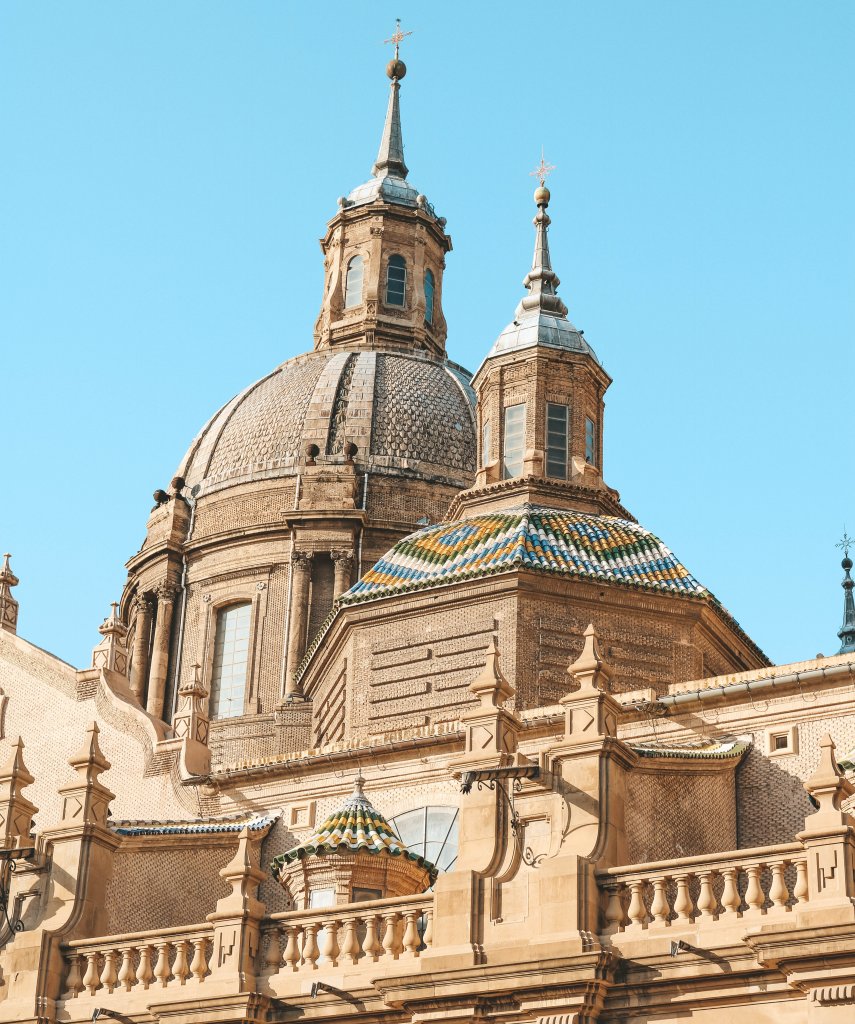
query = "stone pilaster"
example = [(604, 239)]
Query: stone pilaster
[(112, 652), (301, 576), (8, 604), (160, 650)]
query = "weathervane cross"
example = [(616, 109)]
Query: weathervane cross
[(845, 543), (543, 169), (397, 37)]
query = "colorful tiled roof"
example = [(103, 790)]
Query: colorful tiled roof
[(356, 826), (548, 540), (695, 748), (206, 826)]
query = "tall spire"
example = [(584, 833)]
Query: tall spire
[(390, 156), (847, 630), (542, 281)]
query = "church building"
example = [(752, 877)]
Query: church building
[(403, 717)]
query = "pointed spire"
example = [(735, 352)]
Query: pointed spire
[(8, 604), (490, 686), (390, 156), (847, 630), (589, 669), (542, 281)]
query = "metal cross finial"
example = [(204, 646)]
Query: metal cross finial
[(398, 36), (543, 169), (845, 543)]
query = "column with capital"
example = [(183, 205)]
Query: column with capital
[(142, 632), (343, 562), (160, 650), (301, 576)]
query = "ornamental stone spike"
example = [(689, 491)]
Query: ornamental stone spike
[(112, 652), (589, 669), (86, 800), (390, 156), (490, 686), (8, 604), (828, 786), (16, 811)]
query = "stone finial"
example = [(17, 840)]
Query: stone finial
[(191, 725), (828, 786), (112, 652), (590, 670), (8, 604), (16, 811), (86, 800), (244, 876), (491, 687)]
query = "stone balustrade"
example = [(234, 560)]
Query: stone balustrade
[(749, 884), (353, 933), (125, 963)]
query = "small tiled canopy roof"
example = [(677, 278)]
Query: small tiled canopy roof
[(550, 540), (355, 827)]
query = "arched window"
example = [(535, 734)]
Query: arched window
[(396, 280), (231, 659), (430, 288), (431, 832), (353, 283)]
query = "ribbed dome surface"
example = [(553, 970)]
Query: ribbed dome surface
[(407, 414)]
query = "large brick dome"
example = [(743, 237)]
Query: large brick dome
[(407, 414)]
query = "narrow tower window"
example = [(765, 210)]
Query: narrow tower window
[(231, 657), (353, 283), (590, 441), (396, 280), (514, 441), (556, 440), (486, 440), (430, 288)]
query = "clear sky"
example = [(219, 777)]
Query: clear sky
[(167, 169)]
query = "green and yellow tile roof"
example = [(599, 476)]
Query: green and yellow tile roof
[(355, 827)]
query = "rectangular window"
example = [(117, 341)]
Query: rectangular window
[(231, 657), (556, 440), (486, 440), (590, 441), (514, 441)]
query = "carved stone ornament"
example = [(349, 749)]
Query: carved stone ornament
[(301, 561), (260, 586)]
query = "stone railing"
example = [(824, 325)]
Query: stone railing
[(349, 934), (679, 893), (128, 963)]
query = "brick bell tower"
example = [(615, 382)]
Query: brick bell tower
[(384, 255), (540, 403)]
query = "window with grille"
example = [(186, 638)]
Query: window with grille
[(430, 288), (231, 658), (513, 447), (556, 440), (396, 281), (353, 283)]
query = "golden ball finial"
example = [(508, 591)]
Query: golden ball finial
[(542, 195), (396, 69)]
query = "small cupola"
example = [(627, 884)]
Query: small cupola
[(354, 856)]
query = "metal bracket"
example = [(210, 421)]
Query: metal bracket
[(507, 781), (7, 866)]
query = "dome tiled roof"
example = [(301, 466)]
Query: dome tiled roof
[(530, 536), (407, 414)]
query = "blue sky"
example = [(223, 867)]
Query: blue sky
[(168, 168)]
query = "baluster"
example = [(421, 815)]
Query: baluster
[(109, 975), (91, 979), (801, 890), (127, 974), (637, 912), (754, 893), (411, 940), (350, 945), (427, 938), (683, 901), (199, 965), (75, 980), (659, 907), (145, 974), (778, 892), (706, 897), (273, 957), (161, 968), (291, 956), (730, 900), (310, 946), (330, 947), (391, 943), (181, 970), (371, 944), (614, 907)]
